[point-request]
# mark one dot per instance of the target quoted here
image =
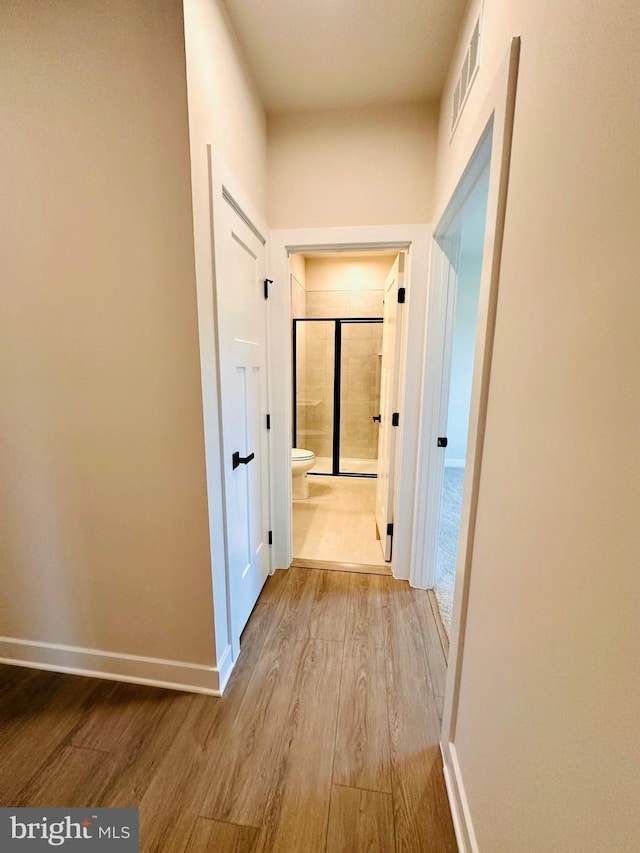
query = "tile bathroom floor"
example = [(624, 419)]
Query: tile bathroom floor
[(348, 464), (337, 522)]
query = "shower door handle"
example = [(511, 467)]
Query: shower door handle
[(237, 460), (377, 418)]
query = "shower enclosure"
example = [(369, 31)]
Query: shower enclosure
[(336, 394)]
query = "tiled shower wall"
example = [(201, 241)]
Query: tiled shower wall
[(344, 303), (360, 389), (298, 298), (314, 368)]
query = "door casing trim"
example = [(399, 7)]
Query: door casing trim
[(415, 240), (497, 113)]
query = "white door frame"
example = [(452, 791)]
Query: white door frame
[(443, 285), (391, 365), (488, 142), (414, 239)]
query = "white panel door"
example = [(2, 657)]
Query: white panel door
[(389, 393), (242, 349)]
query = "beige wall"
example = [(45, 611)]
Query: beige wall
[(363, 272), (102, 494), (365, 166), (298, 298), (346, 287), (547, 728), (298, 291), (224, 107), (298, 267)]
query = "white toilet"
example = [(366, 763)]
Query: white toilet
[(301, 462)]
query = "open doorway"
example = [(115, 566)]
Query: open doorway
[(342, 407), (413, 241), (464, 239)]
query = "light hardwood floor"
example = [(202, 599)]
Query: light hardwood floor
[(326, 738)]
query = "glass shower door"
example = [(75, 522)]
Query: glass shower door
[(360, 361), (314, 355)]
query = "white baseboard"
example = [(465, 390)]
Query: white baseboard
[(225, 668), (462, 824), (156, 672), (454, 463)]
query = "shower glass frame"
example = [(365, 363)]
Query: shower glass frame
[(339, 322)]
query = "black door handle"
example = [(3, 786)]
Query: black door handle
[(241, 460), (377, 418)]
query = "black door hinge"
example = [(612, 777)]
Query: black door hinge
[(395, 419), (267, 282), (402, 295), (443, 441), (271, 537), (268, 421), (390, 529)]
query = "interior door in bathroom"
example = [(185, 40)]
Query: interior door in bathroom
[(242, 344), (389, 394)]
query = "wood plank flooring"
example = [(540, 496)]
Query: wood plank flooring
[(326, 740), (329, 565)]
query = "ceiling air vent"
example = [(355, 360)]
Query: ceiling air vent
[(466, 77)]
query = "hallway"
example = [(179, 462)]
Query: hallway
[(325, 740)]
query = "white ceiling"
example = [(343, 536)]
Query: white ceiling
[(320, 54)]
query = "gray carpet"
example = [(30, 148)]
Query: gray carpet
[(448, 542)]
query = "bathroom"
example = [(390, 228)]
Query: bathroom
[(337, 336)]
